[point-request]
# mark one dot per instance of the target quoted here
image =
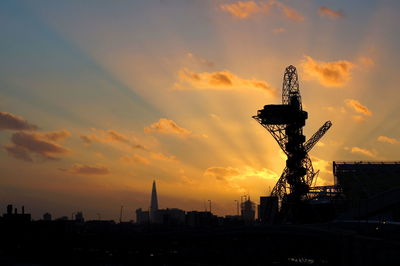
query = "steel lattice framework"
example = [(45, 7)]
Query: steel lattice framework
[(285, 122)]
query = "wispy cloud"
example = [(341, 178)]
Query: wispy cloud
[(359, 118), (57, 135), (199, 60), (222, 173), (366, 61), (13, 122), (24, 144), (365, 152), (240, 179), (231, 173), (167, 126), (244, 9), (278, 30), (135, 158), (84, 169), (324, 11), (163, 157), (329, 74), (111, 137), (388, 140), (358, 107), (223, 80), (288, 12), (215, 117)]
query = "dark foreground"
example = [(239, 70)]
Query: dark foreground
[(106, 243)]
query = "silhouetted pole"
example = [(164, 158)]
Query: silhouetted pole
[(237, 207), (98, 216), (120, 214), (209, 201)]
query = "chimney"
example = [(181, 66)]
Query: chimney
[(15, 211), (23, 209)]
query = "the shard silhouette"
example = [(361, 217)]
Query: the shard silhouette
[(153, 204)]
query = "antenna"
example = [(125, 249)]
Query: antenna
[(120, 214)]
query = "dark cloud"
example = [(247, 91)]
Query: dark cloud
[(13, 122), (18, 153), (57, 135), (84, 169), (24, 143)]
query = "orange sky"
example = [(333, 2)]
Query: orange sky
[(98, 100)]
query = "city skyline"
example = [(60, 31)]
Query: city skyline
[(97, 101)]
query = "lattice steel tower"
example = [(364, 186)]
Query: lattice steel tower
[(285, 122)]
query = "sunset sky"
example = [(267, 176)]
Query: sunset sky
[(100, 98)]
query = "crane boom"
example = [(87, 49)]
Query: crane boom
[(317, 136)]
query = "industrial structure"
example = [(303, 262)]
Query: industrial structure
[(285, 122), (371, 190)]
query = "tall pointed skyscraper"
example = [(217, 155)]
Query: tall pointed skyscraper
[(153, 204)]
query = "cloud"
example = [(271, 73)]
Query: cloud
[(324, 11), (288, 12), (84, 169), (366, 61), (358, 107), (223, 80), (221, 173), (215, 117), (135, 158), (57, 135), (167, 126), (13, 122), (359, 118), (24, 143), (110, 137), (365, 152), (18, 153), (388, 140), (199, 60), (242, 180), (231, 174), (244, 9), (163, 157), (336, 110), (278, 30), (329, 74)]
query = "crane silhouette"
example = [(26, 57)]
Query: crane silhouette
[(285, 122)]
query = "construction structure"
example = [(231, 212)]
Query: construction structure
[(285, 122)]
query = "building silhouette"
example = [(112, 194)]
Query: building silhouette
[(142, 217), (79, 217), (154, 205), (47, 217), (11, 216), (248, 209)]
